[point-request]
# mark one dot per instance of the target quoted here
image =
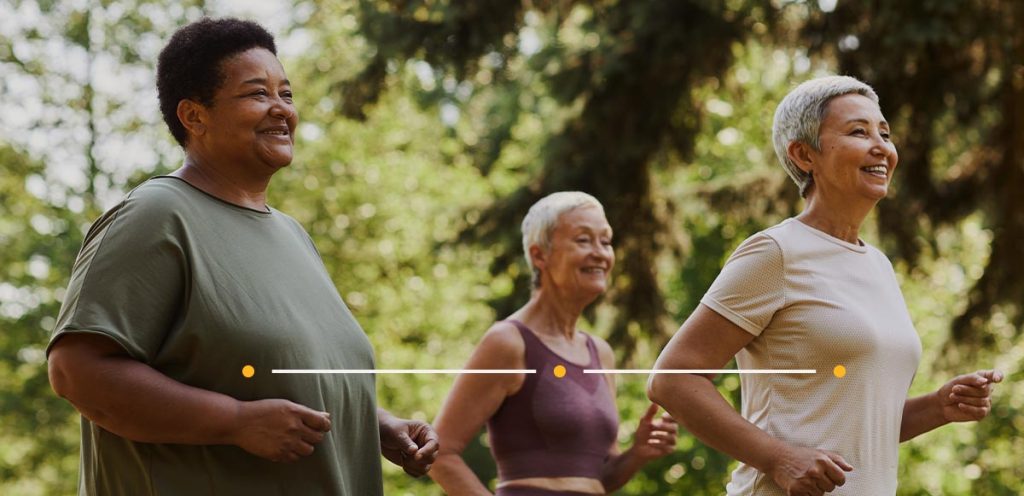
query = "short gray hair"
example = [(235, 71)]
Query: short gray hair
[(542, 218), (798, 118)]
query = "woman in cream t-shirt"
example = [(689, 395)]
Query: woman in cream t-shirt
[(809, 294)]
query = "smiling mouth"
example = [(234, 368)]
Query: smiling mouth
[(276, 132), (877, 170), (594, 270)]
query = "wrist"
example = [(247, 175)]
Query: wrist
[(936, 403), (631, 460), (230, 434), (769, 459)]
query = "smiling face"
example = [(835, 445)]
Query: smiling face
[(581, 255), (252, 120), (856, 159)]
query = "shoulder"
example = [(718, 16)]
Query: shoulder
[(152, 203), (880, 258), (502, 338), (161, 192), (604, 352), (763, 248), (146, 210)]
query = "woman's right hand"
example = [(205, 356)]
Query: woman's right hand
[(804, 471), (279, 430)]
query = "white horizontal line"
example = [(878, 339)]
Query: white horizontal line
[(403, 371), (700, 371)]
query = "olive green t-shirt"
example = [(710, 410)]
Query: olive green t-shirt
[(197, 288)]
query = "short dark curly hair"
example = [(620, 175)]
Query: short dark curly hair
[(189, 66)]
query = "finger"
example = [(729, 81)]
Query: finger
[(992, 375), (824, 485), (416, 469), (977, 392), (670, 442), (834, 473), (310, 436), (666, 427), (320, 421), (972, 401), (976, 379), (303, 449), (975, 412), (428, 451), (662, 436), (840, 461), (408, 446), (666, 417), (649, 414), (426, 434)]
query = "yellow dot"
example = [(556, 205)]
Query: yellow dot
[(559, 371), (248, 371), (839, 371)]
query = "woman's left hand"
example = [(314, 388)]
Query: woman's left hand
[(655, 438), (410, 444), (968, 397)]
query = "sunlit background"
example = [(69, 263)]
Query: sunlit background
[(428, 127)]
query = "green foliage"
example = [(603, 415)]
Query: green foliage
[(38, 240), (466, 112)]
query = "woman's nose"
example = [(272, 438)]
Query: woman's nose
[(282, 109)]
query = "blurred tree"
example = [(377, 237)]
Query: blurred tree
[(78, 89), (625, 75), (73, 74), (951, 78), (660, 109), (38, 242)]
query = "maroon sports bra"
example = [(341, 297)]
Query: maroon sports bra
[(554, 427)]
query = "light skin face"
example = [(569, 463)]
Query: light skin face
[(851, 170), (251, 123), (581, 254)]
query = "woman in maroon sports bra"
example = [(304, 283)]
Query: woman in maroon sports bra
[(553, 432)]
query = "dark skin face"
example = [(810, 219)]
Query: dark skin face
[(247, 134)]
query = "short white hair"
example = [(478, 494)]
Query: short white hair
[(542, 218), (798, 118)]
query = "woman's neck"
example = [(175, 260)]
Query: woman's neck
[(549, 314), (224, 182), (839, 221)]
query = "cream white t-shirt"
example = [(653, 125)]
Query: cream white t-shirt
[(813, 301)]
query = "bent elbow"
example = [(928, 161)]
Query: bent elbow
[(57, 371), (655, 387)]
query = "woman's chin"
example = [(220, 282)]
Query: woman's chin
[(593, 290), (278, 162)]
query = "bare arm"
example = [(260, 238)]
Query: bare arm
[(708, 341), (137, 402), (653, 438), (473, 399), (965, 398)]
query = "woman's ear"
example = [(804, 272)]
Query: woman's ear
[(538, 257), (193, 116), (802, 155)]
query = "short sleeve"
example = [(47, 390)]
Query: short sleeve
[(750, 288), (128, 282)]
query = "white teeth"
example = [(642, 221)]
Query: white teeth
[(877, 169)]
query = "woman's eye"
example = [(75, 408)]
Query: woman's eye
[(259, 93), (859, 132), (886, 136), (286, 95)]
